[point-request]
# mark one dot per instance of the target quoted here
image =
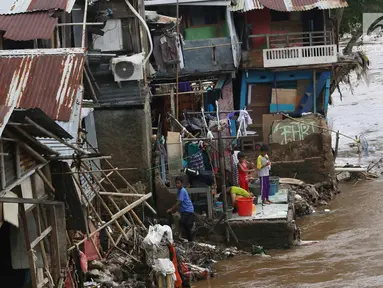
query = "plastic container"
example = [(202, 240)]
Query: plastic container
[(229, 212), (274, 185), (244, 206), (255, 188), (219, 205)]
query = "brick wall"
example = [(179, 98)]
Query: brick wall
[(125, 135)]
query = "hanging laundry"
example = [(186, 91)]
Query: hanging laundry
[(235, 168), (169, 50), (245, 119), (157, 53), (184, 87), (196, 161)]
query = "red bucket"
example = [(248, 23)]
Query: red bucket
[(244, 206)]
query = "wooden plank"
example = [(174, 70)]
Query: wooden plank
[(120, 194), (37, 215), (2, 166), (22, 178), (41, 237), (46, 181), (29, 201), (54, 245), (18, 168), (27, 148), (32, 266)]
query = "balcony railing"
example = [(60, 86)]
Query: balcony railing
[(294, 49), (298, 39)]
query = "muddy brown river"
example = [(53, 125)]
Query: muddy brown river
[(349, 254)]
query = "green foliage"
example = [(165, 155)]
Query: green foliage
[(353, 15)]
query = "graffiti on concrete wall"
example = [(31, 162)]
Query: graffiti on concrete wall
[(287, 131)]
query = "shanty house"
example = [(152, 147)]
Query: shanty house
[(289, 50), (32, 224)]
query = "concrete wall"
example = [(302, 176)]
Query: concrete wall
[(302, 151), (125, 135)]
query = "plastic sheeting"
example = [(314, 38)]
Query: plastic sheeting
[(156, 233)]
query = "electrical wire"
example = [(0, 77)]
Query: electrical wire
[(146, 28)]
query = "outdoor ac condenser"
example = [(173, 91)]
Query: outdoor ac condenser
[(128, 68)]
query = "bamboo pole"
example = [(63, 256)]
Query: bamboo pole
[(223, 182), (109, 198), (94, 209), (105, 205), (115, 217)]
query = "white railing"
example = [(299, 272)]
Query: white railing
[(297, 56)]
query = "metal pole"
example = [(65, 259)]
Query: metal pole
[(177, 66), (223, 182), (336, 145), (84, 24), (315, 91)]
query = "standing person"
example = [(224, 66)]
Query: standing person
[(186, 209), (264, 166), (243, 171)]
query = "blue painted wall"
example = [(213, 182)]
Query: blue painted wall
[(257, 77)]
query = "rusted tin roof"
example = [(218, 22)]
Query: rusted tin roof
[(246, 5), (23, 6), (28, 26), (288, 5), (41, 78)]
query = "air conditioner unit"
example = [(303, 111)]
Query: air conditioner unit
[(128, 68)]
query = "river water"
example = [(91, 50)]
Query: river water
[(350, 248), (349, 252)]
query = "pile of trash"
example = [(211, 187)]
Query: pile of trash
[(158, 261), (308, 196)]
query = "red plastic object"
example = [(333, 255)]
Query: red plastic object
[(244, 206)]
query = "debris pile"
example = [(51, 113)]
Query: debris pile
[(308, 196), (141, 264)]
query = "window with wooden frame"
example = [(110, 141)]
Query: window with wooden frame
[(204, 16)]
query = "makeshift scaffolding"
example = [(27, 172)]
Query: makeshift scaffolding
[(120, 210)]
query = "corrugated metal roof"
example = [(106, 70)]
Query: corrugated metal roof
[(23, 6), (288, 5), (29, 26), (41, 78)]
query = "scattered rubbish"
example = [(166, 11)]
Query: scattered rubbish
[(327, 210), (259, 251), (308, 196)]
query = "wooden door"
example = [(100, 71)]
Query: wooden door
[(259, 104)]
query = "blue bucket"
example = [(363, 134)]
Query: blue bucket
[(274, 185)]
